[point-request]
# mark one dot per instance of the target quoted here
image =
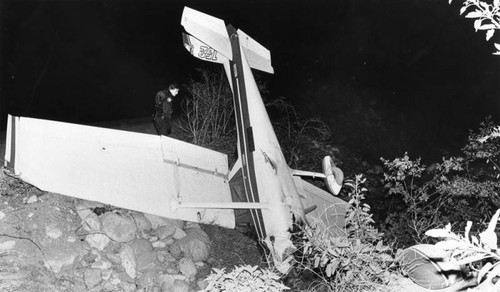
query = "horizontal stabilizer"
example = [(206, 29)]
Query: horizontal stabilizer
[(208, 29), (211, 32), (258, 57), (201, 50)]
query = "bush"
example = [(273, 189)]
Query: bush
[(304, 142), (356, 260), (454, 190), (487, 17), (208, 108), (245, 279)]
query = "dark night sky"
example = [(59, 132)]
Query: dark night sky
[(83, 61)]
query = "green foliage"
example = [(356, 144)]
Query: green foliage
[(454, 190), (481, 254), (486, 15), (208, 108), (354, 260), (245, 279)]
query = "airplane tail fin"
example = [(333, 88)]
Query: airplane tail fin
[(209, 33)]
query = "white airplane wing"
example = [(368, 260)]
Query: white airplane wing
[(142, 172)]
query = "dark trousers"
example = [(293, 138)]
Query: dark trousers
[(163, 125)]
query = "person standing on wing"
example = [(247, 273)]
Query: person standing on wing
[(163, 109)]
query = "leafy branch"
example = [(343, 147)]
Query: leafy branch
[(487, 17)]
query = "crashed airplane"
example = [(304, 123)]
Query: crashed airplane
[(171, 178)]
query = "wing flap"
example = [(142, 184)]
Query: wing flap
[(135, 171)]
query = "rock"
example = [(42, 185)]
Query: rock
[(109, 286), (124, 277), (2, 215), (195, 245), (142, 223), (106, 274), (118, 228), (128, 261), (71, 238), (91, 257), (199, 233), (92, 222), (188, 268), (169, 241), (179, 233), (82, 210), (180, 286), (190, 224), (202, 284), (145, 260), (165, 231), (53, 232), (92, 277), (128, 287), (147, 279), (143, 252), (158, 221), (165, 256), (166, 282), (159, 244), (101, 265), (32, 199), (113, 258), (141, 245), (98, 241), (61, 257), (171, 268), (7, 245)]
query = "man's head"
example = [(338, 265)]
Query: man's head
[(174, 89)]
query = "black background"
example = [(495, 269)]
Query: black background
[(86, 61)]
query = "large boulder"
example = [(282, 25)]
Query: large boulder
[(118, 228), (195, 245)]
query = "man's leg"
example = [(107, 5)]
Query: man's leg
[(163, 127), (168, 126)]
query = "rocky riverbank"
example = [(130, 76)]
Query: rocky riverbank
[(50, 242)]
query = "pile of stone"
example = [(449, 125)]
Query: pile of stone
[(50, 242), (139, 252)]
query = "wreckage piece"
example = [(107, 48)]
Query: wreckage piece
[(136, 171), (175, 179), (261, 164)]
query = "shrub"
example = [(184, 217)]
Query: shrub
[(356, 260), (487, 17), (208, 108), (245, 279), (456, 189), (304, 142)]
